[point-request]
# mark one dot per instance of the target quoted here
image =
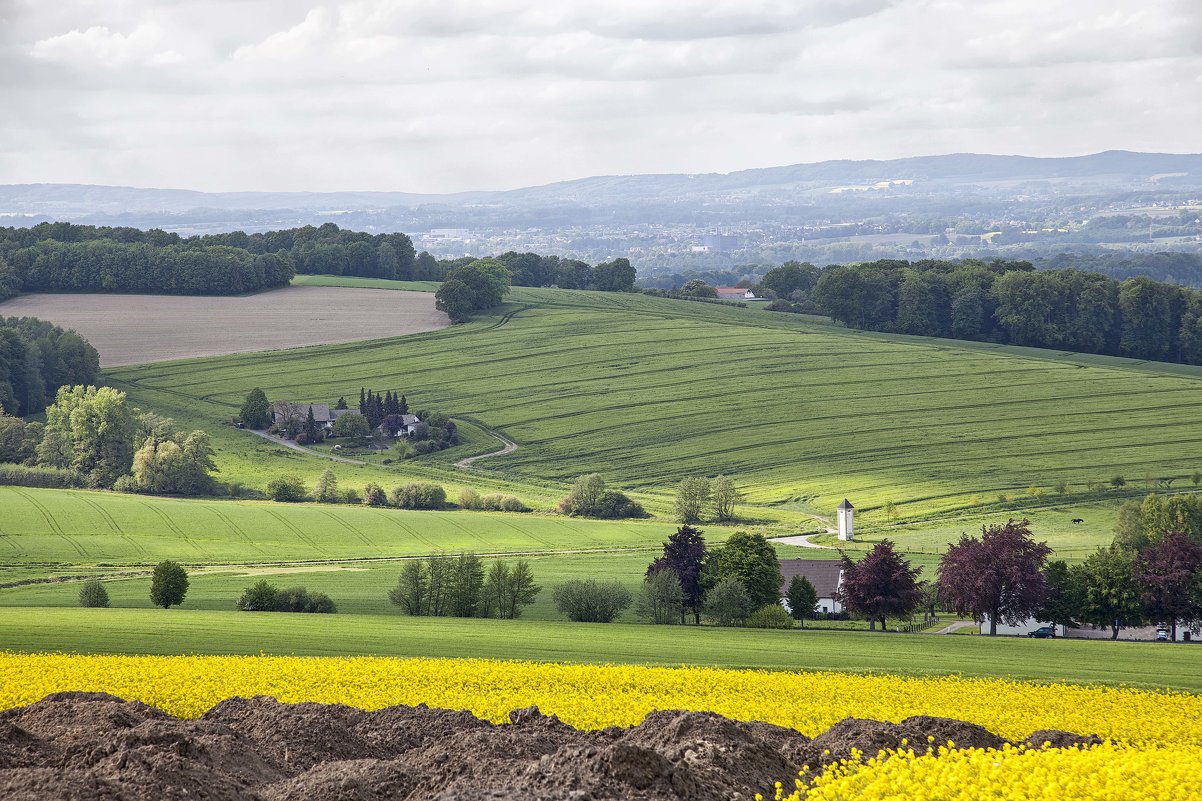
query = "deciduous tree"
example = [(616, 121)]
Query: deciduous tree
[(726, 496), (1110, 594), (999, 575), (661, 599), (692, 496), (168, 584), (752, 560), (1168, 575), (684, 555), (881, 585), (256, 411)]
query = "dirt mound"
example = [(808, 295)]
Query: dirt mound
[(1054, 738), (94, 746)]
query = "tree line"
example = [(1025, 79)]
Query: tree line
[(94, 437), (36, 358), (1010, 302), (445, 586), (1150, 574)]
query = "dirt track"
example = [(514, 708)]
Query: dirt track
[(92, 746), (131, 329)]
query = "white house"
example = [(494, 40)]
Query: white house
[(825, 574), (734, 293), (846, 514), (400, 425), (1024, 628)]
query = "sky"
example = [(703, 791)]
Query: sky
[(451, 95)]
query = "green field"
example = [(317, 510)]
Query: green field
[(1152, 665), (647, 391), (76, 527)]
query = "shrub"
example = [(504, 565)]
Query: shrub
[(351, 425), (263, 596), (591, 601), (351, 496), (287, 489), (512, 504), (419, 496), (126, 484), (427, 446), (258, 597), (728, 603), (373, 495), (93, 594), (770, 616), (298, 599), (470, 499), (18, 475)]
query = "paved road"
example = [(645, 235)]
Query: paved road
[(803, 540), (959, 624)]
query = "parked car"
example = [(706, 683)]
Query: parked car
[(1162, 635), (1043, 632)]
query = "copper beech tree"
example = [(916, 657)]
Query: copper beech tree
[(881, 585), (999, 575)]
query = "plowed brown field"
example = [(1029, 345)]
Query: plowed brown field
[(131, 329)]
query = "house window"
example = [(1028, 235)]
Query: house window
[(824, 607)]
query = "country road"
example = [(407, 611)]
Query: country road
[(509, 446), (287, 443)]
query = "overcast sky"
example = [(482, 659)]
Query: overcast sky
[(445, 95)]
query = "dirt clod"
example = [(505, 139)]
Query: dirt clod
[(94, 746)]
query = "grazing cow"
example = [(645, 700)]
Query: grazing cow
[(1078, 520)]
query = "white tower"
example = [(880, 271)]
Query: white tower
[(847, 514)]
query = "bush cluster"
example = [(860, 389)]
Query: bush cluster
[(470, 499), (263, 596)]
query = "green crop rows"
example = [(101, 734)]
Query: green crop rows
[(646, 391)]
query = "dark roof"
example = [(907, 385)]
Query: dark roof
[(846, 504), (822, 573)]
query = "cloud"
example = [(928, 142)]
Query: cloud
[(444, 95), (98, 44)]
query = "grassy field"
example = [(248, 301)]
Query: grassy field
[(1152, 665), (77, 527), (647, 391)]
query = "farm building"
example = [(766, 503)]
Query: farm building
[(400, 425), (825, 574), (323, 415), (734, 293)]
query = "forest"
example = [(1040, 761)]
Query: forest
[(36, 358), (1011, 302), (64, 257)]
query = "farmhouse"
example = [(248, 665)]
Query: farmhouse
[(400, 425), (734, 293), (323, 415), (825, 574)]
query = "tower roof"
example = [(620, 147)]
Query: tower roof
[(846, 505)]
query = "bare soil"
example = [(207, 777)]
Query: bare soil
[(131, 329), (95, 746)]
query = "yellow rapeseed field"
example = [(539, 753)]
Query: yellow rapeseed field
[(592, 696), (1108, 772)]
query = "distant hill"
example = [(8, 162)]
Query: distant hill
[(1101, 172)]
